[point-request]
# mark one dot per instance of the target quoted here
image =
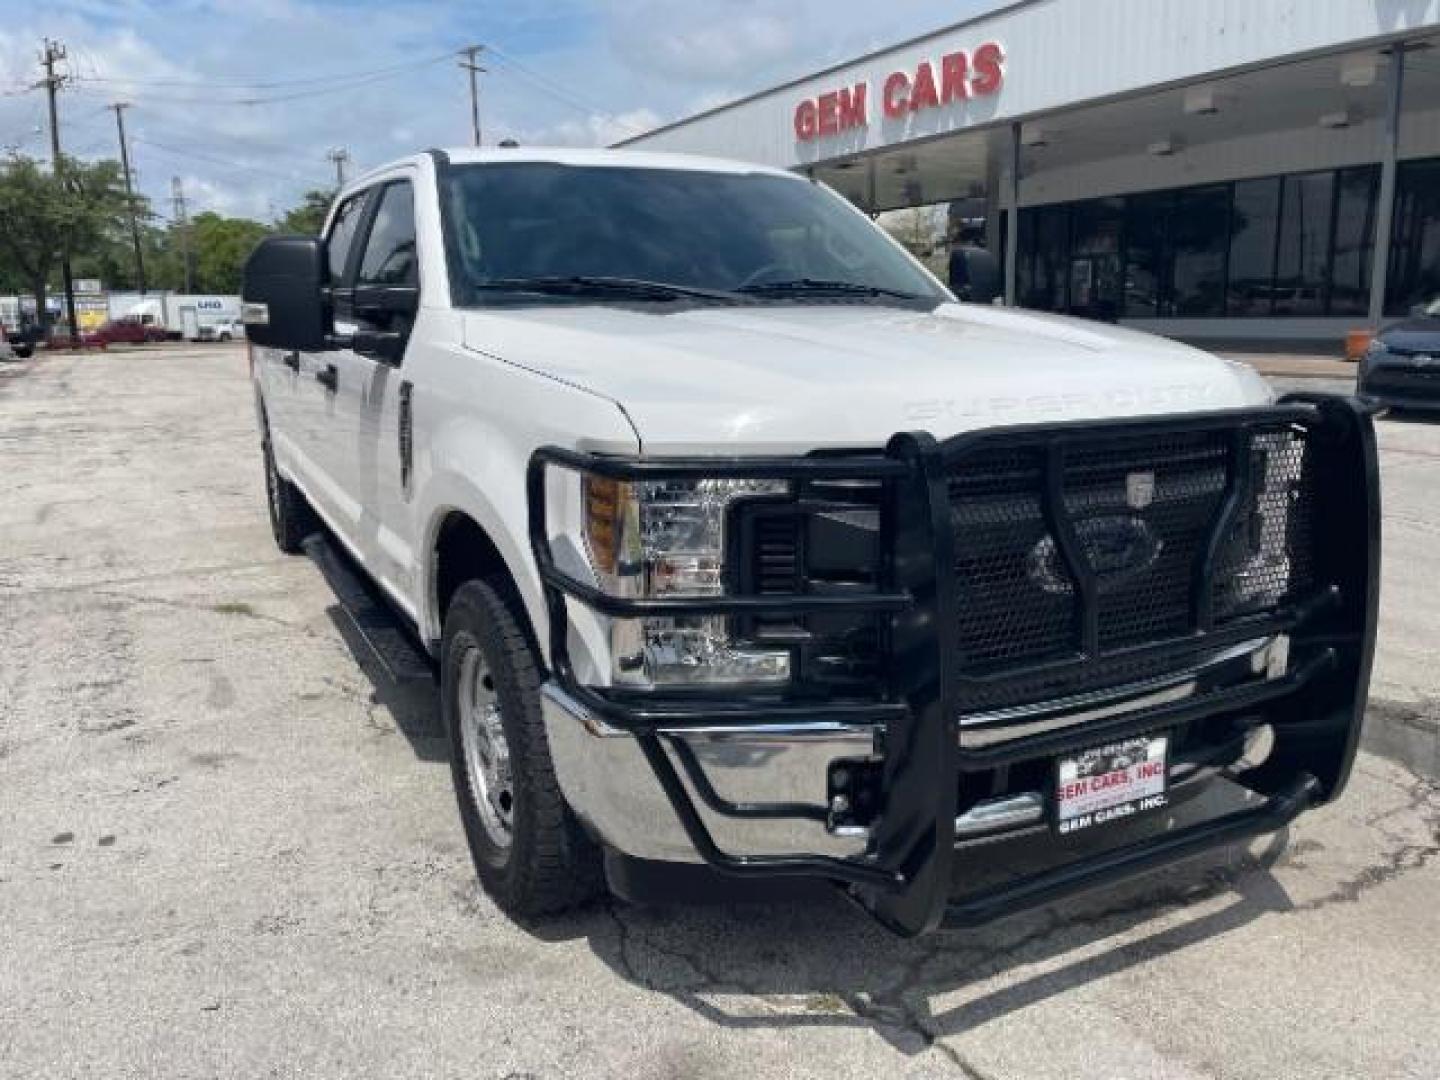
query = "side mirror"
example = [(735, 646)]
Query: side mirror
[(286, 302), (985, 282), (391, 310)]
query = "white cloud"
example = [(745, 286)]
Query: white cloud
[(695, 42), (593, 72)]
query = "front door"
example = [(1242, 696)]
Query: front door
[(322, 441), (373, 394)]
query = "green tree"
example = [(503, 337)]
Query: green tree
[(220, 246), (45, 214), (309, 217)]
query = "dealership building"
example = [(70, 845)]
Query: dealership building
[(1238, 169)]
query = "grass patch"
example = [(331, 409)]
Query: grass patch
[(234, 607)]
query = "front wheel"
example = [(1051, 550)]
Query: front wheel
[(291, 519), (530, 852)]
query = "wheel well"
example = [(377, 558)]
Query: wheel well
[(464, 552)]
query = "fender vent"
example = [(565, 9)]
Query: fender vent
[(406, 433)]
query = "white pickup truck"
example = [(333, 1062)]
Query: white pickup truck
[(746, 555)]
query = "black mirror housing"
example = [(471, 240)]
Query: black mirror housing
[(286, 296)]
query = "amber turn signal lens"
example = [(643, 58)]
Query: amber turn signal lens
[(602, 521)]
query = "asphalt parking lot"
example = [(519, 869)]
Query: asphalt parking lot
[(228, 845)]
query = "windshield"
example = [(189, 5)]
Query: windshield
[(622, 233)]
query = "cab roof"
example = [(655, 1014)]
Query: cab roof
[(634, 159)]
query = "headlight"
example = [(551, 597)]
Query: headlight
[(666, 538)]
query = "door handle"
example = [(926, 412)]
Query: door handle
[(291, 360), (328, 377)]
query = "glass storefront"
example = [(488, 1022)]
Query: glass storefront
[(1295, 246), (1415, 257)]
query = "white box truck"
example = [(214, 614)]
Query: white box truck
[(187, 316)]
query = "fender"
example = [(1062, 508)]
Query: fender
[(472, 459)]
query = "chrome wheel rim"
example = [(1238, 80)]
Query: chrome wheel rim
[(487, 754)]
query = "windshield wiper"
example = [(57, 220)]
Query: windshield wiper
[(819, 287), (591, 285)]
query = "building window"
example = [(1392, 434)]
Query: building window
[(1415, 256), (1199, 242), (1047, 257), (1147, 246), (1256, 217), (1302, 261), (1292, 246), (1356, 200), (1095, 258)]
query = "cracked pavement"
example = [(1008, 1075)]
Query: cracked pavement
[(228, 844)]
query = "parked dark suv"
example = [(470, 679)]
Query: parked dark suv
[(23, 338), (1402, 366)]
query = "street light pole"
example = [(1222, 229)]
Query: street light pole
[(120, 107)]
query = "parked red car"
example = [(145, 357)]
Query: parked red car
[(122, 331)]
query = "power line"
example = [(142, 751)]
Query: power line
[(221, 162), (273, 84), (559, 93), (248, 102)]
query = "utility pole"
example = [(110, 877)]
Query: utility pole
[(470, 64), (341, 157), (52, 54), (182, 221), (120, 107)]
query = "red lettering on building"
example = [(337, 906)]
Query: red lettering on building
[(923, 94), (897, 95), (962, 76), (805, 120), (852, 107), (989, 65), (830, 113), (954, 82)]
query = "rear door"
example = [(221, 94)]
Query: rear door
[(373, 393)]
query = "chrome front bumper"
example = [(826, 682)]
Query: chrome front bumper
[(613, 790), (612, 787)]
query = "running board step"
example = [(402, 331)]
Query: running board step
[(383, 629)]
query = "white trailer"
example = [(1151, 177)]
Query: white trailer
[(192, 316)]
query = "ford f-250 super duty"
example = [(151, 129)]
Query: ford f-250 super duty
[(746, 553)]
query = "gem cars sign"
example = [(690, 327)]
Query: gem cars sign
[(957, 77)]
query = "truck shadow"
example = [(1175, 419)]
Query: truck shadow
[(400, 674), (823, 964)]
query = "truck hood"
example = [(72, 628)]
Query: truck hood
[(797, 377)]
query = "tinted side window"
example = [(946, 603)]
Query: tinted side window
[(390, 251), (342, 234)]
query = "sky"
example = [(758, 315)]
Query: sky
[(242, 99)]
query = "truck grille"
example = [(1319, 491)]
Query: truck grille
[(1145, 515)]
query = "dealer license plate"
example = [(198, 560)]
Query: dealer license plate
[(1111, 783)]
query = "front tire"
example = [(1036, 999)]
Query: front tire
[(291, 519), (530, 853)]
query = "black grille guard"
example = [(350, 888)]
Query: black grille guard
[(904, 878)]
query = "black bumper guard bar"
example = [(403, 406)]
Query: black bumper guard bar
[(904, 878)]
